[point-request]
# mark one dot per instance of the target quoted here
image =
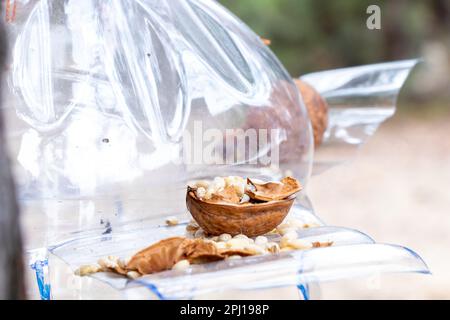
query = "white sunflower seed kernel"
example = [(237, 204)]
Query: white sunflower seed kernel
[(261, 240), (172, 221), (225, 237), (87, 270), (181, 265), (133, 274)]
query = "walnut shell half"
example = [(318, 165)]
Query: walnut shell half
[(251, 219)]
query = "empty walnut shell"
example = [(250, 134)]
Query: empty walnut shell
[(251, 219)]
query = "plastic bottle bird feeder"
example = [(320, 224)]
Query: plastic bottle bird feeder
[(114, 106)]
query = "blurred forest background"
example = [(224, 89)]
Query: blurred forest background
[(313, 35), (397, 188)]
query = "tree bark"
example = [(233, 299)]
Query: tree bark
[(11, 268)]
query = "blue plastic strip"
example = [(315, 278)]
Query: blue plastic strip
[(304, 290), (44, 288)]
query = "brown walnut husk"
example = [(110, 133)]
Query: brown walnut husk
[(317, 109)]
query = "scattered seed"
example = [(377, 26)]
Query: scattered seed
[(261, 240), (133, 274), (291, 235), (220, 245), (199, 234), (273, 247), (237, 243), (285, 230), (87, 270), (300, 244), (225, 237), (108, 263), (181, 265), (172, 221), (254, 249)]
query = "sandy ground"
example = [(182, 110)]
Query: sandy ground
[(397, 190)]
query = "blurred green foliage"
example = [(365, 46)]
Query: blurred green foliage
[(310, 35)]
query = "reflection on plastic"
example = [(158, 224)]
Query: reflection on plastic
[(360, 99)]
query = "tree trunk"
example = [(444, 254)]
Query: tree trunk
[(11, 268)]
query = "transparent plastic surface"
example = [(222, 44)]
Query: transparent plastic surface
[(359, 99), (107, 96), (353, 254), (114, 105)]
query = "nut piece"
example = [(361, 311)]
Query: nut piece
[(88, 269), (133, 274), (192, 227), (220, 245), (199, 234), (292, 235), (110, 262), (181, 265), (237, 243), (261, 241), (318, 244), (241, 236), (254, 249), (298, 244), (226, 195), (200, 184), (273, 247), (225, 237), (172, 221)]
